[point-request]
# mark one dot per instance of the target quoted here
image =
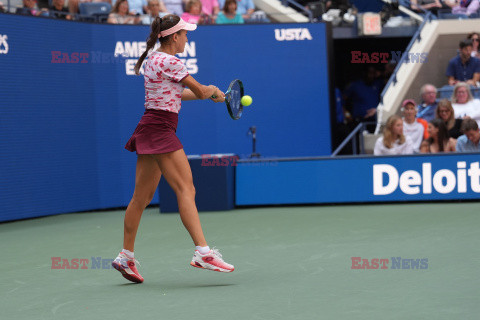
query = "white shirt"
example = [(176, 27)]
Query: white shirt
[(396, 149), (415, 132), (471, 109)]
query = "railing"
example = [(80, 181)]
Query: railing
[(393, 78), (353, 137), (298, 7)]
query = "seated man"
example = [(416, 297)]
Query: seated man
[(428, 5), (464, 67), (362, 96), (469, 141), (426, 110), (58, 11)]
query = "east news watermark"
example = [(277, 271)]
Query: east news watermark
[(95, 263), (388, 57), (394, 263)]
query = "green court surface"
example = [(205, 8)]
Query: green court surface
[(291, 263)]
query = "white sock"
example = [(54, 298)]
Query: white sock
[(203, 250), (129, 254)]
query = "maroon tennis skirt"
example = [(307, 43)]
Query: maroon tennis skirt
[(155, 133)]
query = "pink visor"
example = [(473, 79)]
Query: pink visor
[(181, 25)]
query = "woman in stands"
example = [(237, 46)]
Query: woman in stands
[(464, 104), (475, 37), (193, 13), (158, 149), (229, 14), (393, 142), (120, 14), (446, 113), (439, 140)]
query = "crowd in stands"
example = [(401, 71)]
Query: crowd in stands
[(145, 11), (448, 125)]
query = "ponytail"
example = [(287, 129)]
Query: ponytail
[(151, 41), (158, 25)]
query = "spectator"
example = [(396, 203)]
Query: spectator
[(175, 6), (393, 141), (445, 112), (464, 7), (229, 13), (244, 7), (194, 14), (120, 14), (210, 8), (426, 110), (363, 96), (464, 67), (29, 9), (463, 102), (411, 127), (156, 8), (425, 5), (59, 11), (469, 141), (475, 36), (2, 9), (439, 140)]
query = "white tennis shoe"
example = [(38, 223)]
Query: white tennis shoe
[(211, 261), (127, 268)]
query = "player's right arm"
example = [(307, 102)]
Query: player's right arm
[(199, 91)]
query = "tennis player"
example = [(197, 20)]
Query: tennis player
[(158, 149)]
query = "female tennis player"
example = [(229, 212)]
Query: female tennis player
[(158, 148)]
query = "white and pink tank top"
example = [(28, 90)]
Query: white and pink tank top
[(163, 89)]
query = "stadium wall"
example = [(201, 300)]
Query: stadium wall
[(358, 180), (69, 102)]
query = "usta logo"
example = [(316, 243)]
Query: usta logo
[(292, 34), (3, 44)]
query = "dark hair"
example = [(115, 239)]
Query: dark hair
[(158, 25), (471, 34), (469, 124), (227, 3), (466, 43), (442, 133)]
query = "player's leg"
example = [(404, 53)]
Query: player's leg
[(146, 181), (177, 172)]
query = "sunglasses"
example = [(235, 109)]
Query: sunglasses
[(475, 39)]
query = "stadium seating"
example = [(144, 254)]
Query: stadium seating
[(94, 11)]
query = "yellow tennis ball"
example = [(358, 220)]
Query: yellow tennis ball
[(246, 101)]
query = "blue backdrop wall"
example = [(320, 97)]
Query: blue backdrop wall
[(69, 102)]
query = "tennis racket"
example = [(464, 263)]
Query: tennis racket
[(232, 99)]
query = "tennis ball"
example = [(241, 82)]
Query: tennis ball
[(246, 101)]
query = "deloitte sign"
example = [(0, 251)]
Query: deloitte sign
[(387, 179)]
